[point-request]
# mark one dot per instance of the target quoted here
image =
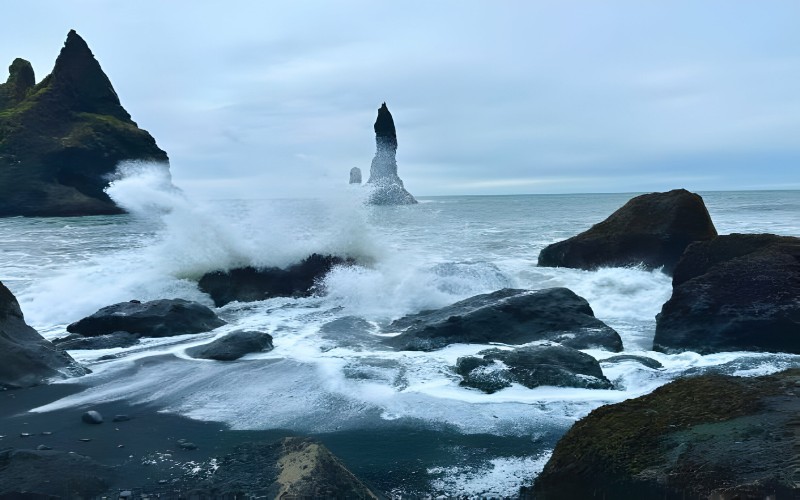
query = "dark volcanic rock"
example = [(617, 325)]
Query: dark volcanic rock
[(290, 468), (508, 316), (737, 292), (157, 318), (61, 140), (26, 358), (706, 437), (387, 187), (110, 341), (531, 366), (51, 474), (92, 417), (233, 346), (249, 284), (651, 229), (643, 360)]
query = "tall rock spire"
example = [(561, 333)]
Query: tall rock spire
[(387, 187)]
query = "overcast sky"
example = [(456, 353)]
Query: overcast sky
[(267, 99)]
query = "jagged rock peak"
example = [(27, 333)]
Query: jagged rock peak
[(79, 76), (20, 74), (384, 125)]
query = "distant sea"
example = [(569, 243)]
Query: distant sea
[(398, 419)]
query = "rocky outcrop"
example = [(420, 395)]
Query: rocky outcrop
[(46, 474), (508, 316), (26, 358), (290, 468), (531, 366), (157, 318), (737, 292), (642, 360), (651, 230), (249, 284), (387, 187), (711, 436), (61, 140), (355, 175), (233, 346)]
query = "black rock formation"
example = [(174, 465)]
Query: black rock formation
[(711, 436), (737, 292), (26, 358), (642, 360), (116, 339), (291, 468), (652, 230), (387, 187), (233, 346), (249, 284), (531, 366), (355, 175), (61, 140), (508, 316), (157, 318)]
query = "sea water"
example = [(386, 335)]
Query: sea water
[(399, 419)]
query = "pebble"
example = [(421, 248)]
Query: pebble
[(85, 440), (92, 417), (47, 433), (43, 447), (24, 434), (120, 446)]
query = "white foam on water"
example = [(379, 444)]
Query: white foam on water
[(499, 478)]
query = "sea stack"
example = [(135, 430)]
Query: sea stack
[(61, 140), (355, 175), (387, 187)]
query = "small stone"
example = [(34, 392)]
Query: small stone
[(120, 418), (24, 434), (85, 440), (120, 446), (47, 433), (163, 481), (92, 417), (125, 494), (43, 447)]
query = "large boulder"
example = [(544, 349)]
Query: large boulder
[(46, 474), (61, 140), (290, 468), (113, 340), (157, 318), (531, 366), (508, 316), (387, 187), (26, 358), (651, 230), (233, 346), (737, 292), (711, 436), (249, 284)]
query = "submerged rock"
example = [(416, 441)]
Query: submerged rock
[(249, 284), (112, 340), (508, 316), (651, 230), (531, 366), (642, 360), (289, 468), (61, 140), (157, 318), (51, 474), (26, 358), (387, 187), (737, 292), (706, 437), (92, 417), (233, 346), (355, 175)]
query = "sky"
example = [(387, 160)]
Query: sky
[(277, 99)]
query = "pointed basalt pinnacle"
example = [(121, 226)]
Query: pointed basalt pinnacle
[(78, 78), (384, 127), (20, 81)]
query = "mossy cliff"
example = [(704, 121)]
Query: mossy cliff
[(61, 140)]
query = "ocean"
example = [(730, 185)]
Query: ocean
[(398, 419)]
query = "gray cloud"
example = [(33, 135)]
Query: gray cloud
[(256, 99)]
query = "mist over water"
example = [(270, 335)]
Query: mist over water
[(329, 373)]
